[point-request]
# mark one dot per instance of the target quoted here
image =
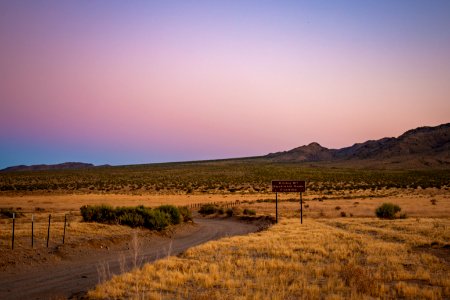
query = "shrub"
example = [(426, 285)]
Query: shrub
[(343, 214), (220, 211), (9, 212), (229, 212), (387, 211), (99, 213), (185, 213), (433, 201), (208, 209), (139, 216), (337, 208), (158, 220), (172, 211), (249, 212)]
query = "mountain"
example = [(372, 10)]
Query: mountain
[(420, 147), (63, 166)]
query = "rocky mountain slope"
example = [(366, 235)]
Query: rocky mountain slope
[(423, 146), (63, 166)]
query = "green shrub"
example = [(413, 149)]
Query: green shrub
[(387, 211), (172, 212), (185, 213), (132, 220), (139, 216), (249, 212), (229, 212), (208, 209), (99, 213), (9, 212), (158, 220)]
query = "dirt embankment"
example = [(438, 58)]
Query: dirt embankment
[(69, 271)]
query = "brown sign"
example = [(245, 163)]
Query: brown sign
[(288, 186)]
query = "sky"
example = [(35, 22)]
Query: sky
[(128, 82)]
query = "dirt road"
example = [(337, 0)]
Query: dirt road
[(72, 277)]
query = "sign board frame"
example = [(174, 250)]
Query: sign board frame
[(289, 186)]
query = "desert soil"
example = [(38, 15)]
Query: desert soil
[(70, 271)]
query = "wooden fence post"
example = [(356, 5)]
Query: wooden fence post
[(32, 231), (64, 233), (48, 230), (13, 228)]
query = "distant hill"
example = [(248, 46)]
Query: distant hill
[(63, 166), (420, 147)]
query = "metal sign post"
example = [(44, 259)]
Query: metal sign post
[(13, 228), (301, 209), (276, 207), (289, 186)]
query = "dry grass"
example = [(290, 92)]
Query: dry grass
[(331, 258)]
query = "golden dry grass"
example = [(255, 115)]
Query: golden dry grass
[(323, 258)]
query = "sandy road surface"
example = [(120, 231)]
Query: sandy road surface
[(73, 278)]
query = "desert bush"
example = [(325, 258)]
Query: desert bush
[(8, 212), (249, 212), (139, 216), (337, 208), (158, 220), (229, 212), (208, 209), (99, 213), (172, 211), (387, 211), (185, 213), (343, 214), (433, 201), (220, 211)]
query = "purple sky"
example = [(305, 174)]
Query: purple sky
[(124, 82)]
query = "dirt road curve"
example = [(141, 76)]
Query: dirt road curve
[(71, 278)]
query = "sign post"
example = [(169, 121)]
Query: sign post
[(289, 186), (276, 207)]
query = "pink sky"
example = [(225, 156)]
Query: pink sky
[(115, 83)]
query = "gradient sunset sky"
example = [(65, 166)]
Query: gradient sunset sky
[(125, 82)]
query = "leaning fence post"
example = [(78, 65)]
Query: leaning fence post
[(64, 233), (13, 227), (32, 231), (48, 230)]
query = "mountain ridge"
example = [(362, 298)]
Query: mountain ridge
[(44, 167), (419, 147)]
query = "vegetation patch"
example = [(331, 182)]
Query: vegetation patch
[(387, 211), (9, 212), (209, 209), (140, 216)]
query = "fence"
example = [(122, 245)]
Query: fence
[(221, 203), (11, 241), (8, 232)]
